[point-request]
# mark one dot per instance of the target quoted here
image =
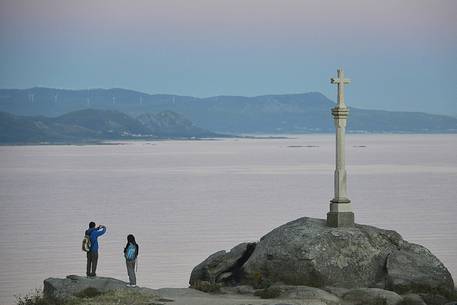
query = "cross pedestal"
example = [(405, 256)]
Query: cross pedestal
[(340, 214)]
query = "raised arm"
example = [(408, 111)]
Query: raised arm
[(100, 231)]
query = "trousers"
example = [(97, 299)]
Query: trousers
[(92, 258), (131, 271)]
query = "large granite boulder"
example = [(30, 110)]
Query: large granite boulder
[(307, 293), (222, 266), (72, 285), (413, 299), (372, 296), (308, 252), (413, 268)]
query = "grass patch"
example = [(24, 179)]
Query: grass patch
[(35, 298), (207, 287), (89, 292), (258, 281), (119, 297), (268, 293), (90, 297)]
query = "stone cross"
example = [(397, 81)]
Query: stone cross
[(340, 81), (340, 214)]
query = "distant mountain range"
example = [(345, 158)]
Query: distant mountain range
[(290, 113), (91, 125)]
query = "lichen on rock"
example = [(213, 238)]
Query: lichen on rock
[(307, 252)]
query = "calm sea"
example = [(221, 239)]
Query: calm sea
[(184, 200)]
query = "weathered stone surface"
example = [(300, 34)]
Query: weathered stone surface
[(412, 299), (433, 299), (413, 268), (338, 291), (179, 292), (307, 252), (372, 296), (308, 293), (243, 289), (64, 288), (222, 266)]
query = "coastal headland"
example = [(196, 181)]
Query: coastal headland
[(301, 262)]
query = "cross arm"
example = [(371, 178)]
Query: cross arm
[(339, 80)]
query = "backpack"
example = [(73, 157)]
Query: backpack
[(131, 252), (86, 244)]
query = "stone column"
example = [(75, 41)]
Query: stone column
[(340, 214)]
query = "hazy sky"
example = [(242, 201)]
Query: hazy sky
[(400, 54)]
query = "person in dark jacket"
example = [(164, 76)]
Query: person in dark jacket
[(131, 254), (92, 256)]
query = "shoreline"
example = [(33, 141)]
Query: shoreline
[(266, 136)]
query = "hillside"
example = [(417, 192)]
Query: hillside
[(90, 125), (290, 113), (171, 124)]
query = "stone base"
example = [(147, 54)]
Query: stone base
[(340, 219)]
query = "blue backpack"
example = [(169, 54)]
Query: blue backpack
[(131, 252)]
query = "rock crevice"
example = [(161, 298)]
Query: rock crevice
[(223, 267)]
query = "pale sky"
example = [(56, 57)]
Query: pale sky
[(400, 54)]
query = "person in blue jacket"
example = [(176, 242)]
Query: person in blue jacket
[(92, 256)]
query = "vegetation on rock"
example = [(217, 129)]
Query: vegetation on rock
[(89, 292), (92, 297), (268, 293), (309, 253), (206, 286)]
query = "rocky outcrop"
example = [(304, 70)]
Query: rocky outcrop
[(222, 267), (413, 299), (81, 290), (414, 268), (72, 285), (307, 252), (307, 293), (372, 296)]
